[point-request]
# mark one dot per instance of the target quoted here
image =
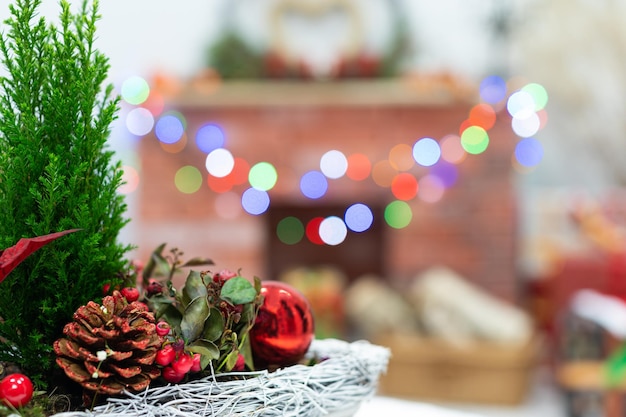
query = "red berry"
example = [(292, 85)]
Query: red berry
[(224, 275), (240, 364), (16, 390), (171, 375), (105, 289), (183, 364), (154, 287), (196, 366), (130, 293), (165, 355), (162, 328)]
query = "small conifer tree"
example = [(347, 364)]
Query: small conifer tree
[(56, 173)]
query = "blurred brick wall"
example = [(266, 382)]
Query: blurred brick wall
[(473, 229)]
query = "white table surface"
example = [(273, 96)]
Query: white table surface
[(386, 406)]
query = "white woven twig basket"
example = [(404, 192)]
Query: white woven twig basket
[(347, 375)]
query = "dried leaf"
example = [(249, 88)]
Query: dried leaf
[(13, 256), (207, 349), (198, 262), (194, 288), (195, 315), (213, 325)]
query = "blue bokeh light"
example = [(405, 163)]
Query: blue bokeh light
[(359, 217), (169, 128), (529, 152), (492, 89), (313, 184), (255, 201), (210, 137)]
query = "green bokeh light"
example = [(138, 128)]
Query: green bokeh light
[(188, 179), (474, 140), (398, 214), (263, 176), (538, 93), (135, 90), (290, 230)]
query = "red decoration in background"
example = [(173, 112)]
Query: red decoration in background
[(284, 327), (313, 230), (13, 256)]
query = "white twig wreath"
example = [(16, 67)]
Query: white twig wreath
[(346, 375)]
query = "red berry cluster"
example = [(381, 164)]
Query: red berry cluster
[(172, 357), (176, 362)]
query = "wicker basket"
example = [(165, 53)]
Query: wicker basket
[(347, 374)]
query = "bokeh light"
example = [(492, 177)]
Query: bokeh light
[(135, 90), (139, 121), (482, 115), (290, 230), (451, 149), (188, 179), (130, 180), (383, 173), (333, 230), (334, 164), (240, 171), (520, 104), (169, 128), (255, 201), (263, 176), (210, 137), (228, 205), (538, 93), (529, 152), (493, 89), (219, 184), (464, 125), (527, 125), (219, 162), (543, 118), (313, 184), (398, 214), (358, 217), (312, 230), (431, 188), (475, 140), (176, 146), (359, 167), (155, 103), (404, 186), (448, 173), (401, 157), (426, 152)]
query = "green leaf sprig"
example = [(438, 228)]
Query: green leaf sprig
[(211, 314)]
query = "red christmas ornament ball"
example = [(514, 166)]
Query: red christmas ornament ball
[(284, 327), (16, 390)]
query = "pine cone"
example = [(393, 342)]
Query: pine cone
[(111, 347)]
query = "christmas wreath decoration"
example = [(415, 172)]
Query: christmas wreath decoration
[(218, 346)]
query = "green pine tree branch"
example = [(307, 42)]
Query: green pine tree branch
[(56, 173)]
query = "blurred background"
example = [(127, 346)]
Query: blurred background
[(444, 178)]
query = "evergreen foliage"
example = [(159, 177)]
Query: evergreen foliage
[(56, 173)]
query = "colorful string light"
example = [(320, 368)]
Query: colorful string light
[(224, 171)]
